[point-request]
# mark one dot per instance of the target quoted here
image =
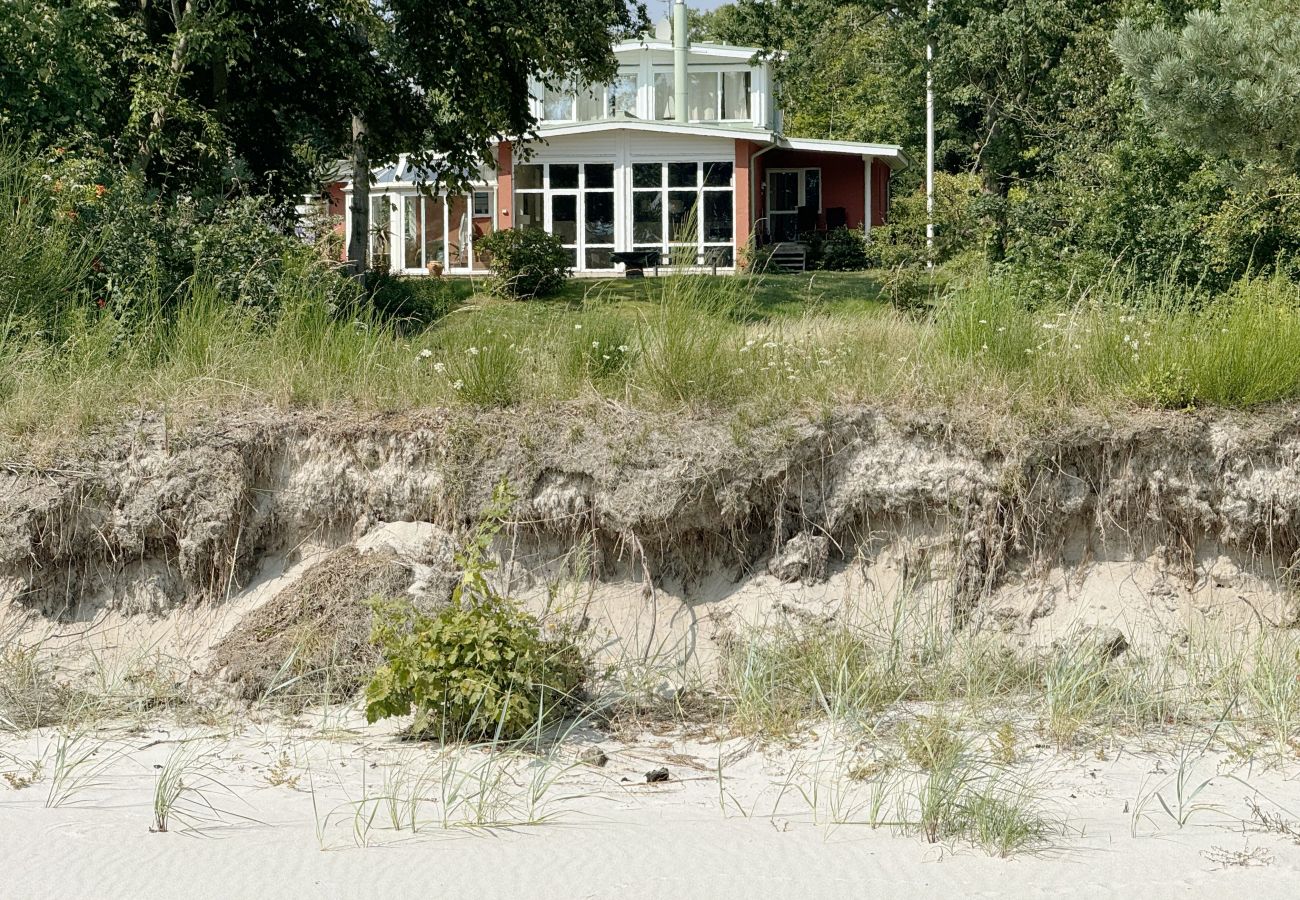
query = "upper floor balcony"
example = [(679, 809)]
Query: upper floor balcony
[(725, 85)]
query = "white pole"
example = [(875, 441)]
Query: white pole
[(929, 139)]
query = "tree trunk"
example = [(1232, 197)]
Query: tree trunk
[(180, 52), (359, 236)]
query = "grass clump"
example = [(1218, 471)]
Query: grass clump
[(479, 668)]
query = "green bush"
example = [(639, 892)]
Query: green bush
[(413, 303), (844, 250), (479, 668), (526, 263)]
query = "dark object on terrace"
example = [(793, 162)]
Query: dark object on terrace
[(656, 775), (807, 216), (636, 261), (836, 217)]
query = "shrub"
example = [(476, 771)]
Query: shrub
[(413, 303), (479, 668), (844, 250), (526, 263)]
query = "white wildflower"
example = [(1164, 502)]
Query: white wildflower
[(440, 368), (426, 353)]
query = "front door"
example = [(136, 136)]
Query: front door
[(783, 203), (789, 190)]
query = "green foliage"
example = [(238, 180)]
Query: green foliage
[(844, 250), (479, 668), (415, 303), (44, 258), (526, 263), (1225, 82)]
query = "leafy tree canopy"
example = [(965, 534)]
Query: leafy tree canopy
[(1227, 82)]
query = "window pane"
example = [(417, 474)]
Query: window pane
[(717, 216), (433, 246), (381, 212), (528, 211), (717, 174), (591, 104), (557, 105), (600, 175), (647, 175), (572, 257), (704, 97), (663, 95), (412, 234), (735, 95), (528, 176), (599, 209), (565, 176), (564, 217), (600, 259), (718, 256), (682, 219), (482, 204), (647, 218), (683, 174), (812, 188), (621, 97), (459, 228)]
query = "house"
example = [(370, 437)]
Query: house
[(682, 153)]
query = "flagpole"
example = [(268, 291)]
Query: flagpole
[(929, 135)]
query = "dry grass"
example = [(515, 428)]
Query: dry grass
[(310, 645)]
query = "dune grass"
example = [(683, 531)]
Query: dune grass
[(696, 343)]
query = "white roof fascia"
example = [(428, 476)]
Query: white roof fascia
[(891, 154), (721, 51), (661, 127)]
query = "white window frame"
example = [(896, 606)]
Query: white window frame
[(718, 72), (580, 245), (604, 97), (667, 239), (401, 264)]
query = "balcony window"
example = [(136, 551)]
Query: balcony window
[(664, 108), (620, 97), (735, 95), (557, 105), (713, 95), (704, 97), (565, 104)]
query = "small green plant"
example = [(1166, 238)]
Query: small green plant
[(481, 667), (526, 263)]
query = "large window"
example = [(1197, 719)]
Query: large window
[(381, 231), (567, 104), (574, 202), (712, 96), (685, 210), (444, 230)]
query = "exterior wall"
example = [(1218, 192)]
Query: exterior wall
[(505, 184), (743, 186), (843, 181), (337, 205)]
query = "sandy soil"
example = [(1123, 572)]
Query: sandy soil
[(301, 810)]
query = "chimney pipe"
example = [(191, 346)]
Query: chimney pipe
[(681, 46)]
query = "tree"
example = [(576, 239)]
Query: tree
[(1227, 83), (473, 62)]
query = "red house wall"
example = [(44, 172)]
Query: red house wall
[(843, 179), (505, 184)]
